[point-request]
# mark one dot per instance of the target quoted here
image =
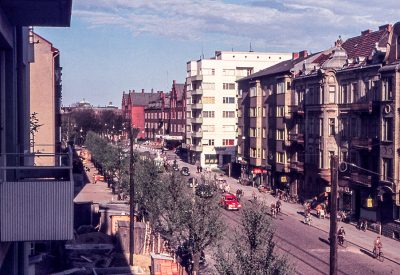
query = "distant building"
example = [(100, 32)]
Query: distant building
[(212, 100), (133, 105), (156, 115)]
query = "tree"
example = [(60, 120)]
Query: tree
[(33, 128), (252, 250), (186, 220)]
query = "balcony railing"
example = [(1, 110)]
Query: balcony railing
[(197, 134), (360, 179), (197, 120), (197, 106), (297, 166), (197, 92), (296, 110), (363, 143), (197, 148), (36, 202), (198, 77), (296, 137)]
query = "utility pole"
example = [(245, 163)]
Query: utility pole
[(333, 219), (131, 195)]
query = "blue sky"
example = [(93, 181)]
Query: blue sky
[(118, 45)]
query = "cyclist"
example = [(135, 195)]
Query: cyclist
[(273, 210), (278, 206), (341, 234), (377, 245)]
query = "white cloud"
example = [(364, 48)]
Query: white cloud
[(284, 25)]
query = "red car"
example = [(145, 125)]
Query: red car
[(230, 202)]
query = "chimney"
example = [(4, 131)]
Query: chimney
[(295, 55), (173, 82), (142, 91), (366, 32), (152, 90), (387, 27), (133, 91), (303, 53)]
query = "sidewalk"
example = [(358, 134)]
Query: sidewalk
[(363, 240), (97, 193)]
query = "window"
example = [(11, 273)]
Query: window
[(387, 131), (208, 86), (211, 159), (252, 132), (228, 86), (343, 94), (228, 100), (210, 142), (253, 112), (208, 114), (264, 154), (280, 134), (321, 127), (208, 100), (264, 112), (253, 91), (264, 133), (387, 92), (280, 157), (332, 126), (208, 128), (228, 114), (258, 153), (332, 94), (228, 142), (387, 169), (321, 159), (354, 90), (253, 152), (280, 87), (228, 72), (280, 111)]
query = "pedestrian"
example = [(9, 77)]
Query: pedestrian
[(254, 195), (227, 188), (201, 169)]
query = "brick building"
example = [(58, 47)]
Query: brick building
[(133, 106), (156, 115)]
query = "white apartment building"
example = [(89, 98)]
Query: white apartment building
[(211, 136)]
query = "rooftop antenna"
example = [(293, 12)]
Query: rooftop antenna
[(167, 79), (202, 51), (251, 50)]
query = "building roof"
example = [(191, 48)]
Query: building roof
[(143, 99), (284, 66), (179, 91), (364, 44)]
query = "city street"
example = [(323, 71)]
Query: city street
[(307, 247)]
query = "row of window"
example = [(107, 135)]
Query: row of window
[(160, 115), (211, 100)]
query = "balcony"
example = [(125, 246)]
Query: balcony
[(197, 134), (297, 166), (197, 120), (197, 148), (361, 143), (197, 106), (36, 202), (296, 138), (357, 107), (198, 77), (197, 92), (296, 110), (359, 179)]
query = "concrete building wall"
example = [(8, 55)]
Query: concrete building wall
[(43, 99)]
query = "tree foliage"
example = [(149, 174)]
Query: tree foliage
[(252, 249)]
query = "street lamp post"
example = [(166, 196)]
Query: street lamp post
[(131, 196)]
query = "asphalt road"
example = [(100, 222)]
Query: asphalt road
[(306, 248)]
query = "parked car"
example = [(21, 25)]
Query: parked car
[(192, 181), (204, 191), (185, 171), (230, 202)]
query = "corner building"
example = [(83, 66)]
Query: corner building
[(212, 101)]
